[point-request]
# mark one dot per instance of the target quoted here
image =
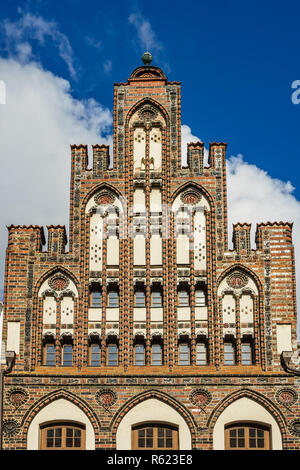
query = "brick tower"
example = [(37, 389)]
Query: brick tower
[(149, 333)]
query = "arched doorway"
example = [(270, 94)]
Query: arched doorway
[(252, 423), (64, 424), (156, 421)]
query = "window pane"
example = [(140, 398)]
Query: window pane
[(200, 298), (260, 443), (241, 442), (169, 443), (140, 299), (141, 442), (156, 299), (96, 299), (50, 355), (95, 355), (246, 354), (160, 443), (201, 354), (183, 298), (156, 355), (229, 355), (139, 355), (232, 443), (113, 299), (112, 355), (77, 442), (184, 356), (67, 355)]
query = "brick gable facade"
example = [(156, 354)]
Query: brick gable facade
[(242, 298)]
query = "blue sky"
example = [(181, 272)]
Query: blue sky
[(236, 61)]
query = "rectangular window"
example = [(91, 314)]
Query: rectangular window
[(50, 354), (140, 298), (156, 355), (229, 354), (200, 298), (113, 299), (247, 354), (96, 299), (201, 354), (184, 354), (95, 355), (112, 355), (183, 298), (156, 299), (67, 355), (139, 351)]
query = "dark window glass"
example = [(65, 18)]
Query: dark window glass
[(112, 354), (229, 354), (247, 354), (95, 355), (67, 355), (247, 436), (156, 299), (183, 298), (184, 354), (140, 298), (50, 354), (62, 436), (96, 298), (156, 354), (200, 298), (139, 351), (113, 299), (201, 354)]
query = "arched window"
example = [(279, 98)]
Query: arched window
[(62, 436), (154, 436), (247, 436)]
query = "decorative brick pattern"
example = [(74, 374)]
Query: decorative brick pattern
[(106, 393)]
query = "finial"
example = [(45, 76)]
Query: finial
[(147, 58)]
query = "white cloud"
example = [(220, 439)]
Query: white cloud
[(32, 27), (146, 35), (254, 196), (186, 138), (37, 125), (107, 66)]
